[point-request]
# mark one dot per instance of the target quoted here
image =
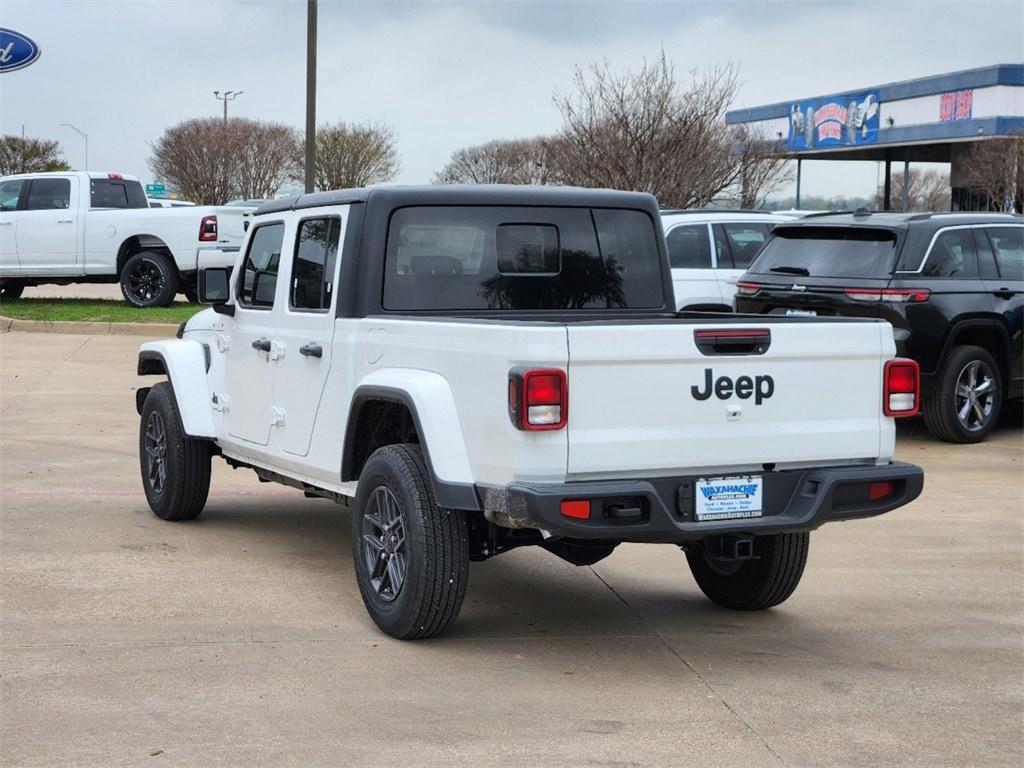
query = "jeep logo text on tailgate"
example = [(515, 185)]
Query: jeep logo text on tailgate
[(760, 387)]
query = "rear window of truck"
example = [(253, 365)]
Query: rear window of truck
[(116, 193), (828, 252), (520, 258)]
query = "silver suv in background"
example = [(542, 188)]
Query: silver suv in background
[(709, 250)]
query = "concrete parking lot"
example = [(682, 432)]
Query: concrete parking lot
[(240, 639)]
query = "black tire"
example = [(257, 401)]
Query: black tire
[(943, 408), (431, 550), (179, 490), (149, 279), (761, 582), (11, 289)]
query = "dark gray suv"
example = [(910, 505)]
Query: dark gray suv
[(952, 285)]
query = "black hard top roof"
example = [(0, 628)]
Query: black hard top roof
[(467, 194)]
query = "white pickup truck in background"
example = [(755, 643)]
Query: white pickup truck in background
[(79, 227)]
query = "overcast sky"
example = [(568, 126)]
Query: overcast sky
[(447, 75)]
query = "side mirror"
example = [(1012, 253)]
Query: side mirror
[(214, 288), (264, 287)]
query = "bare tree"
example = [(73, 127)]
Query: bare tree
[(760, 168), (211, 161), (198, 158), (354, 155), (646, 131), (19, 155), (265, 157), (519, 161), (926, 191), (996, 167)]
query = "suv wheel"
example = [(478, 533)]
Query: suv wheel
[(175, 467), (763, 581), (411, 557), (11, 289), (965, 405), (149, 279)]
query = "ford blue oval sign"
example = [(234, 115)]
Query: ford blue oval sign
[(16, 50)]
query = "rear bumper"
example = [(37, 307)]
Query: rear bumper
[(793, 500)]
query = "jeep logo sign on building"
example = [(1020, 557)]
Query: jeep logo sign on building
[(16, 50)]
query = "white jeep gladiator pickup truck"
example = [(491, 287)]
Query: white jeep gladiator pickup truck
[(483, 368), (79, 227)]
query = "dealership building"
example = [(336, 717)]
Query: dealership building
[(935, 119)]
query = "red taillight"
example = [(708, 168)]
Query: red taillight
[(208, 229), (117, 176), (901, 390), (881, 489), (577, 508), (894, 295), (538, 399), (747, 289)]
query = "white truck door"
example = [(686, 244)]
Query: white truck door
[(693, 277), (251, 353), (305, 325), (47, 229), (10, 193)]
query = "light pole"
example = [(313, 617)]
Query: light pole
[(85, 136), (310, 94), (228, 96)]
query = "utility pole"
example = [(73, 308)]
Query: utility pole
[(228, 96), (310, 94), (84, 135)]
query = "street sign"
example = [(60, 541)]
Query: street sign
[(155, 190)]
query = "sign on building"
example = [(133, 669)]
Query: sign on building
[(956, 105), (833, 121)]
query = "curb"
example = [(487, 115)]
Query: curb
[(156, 330)]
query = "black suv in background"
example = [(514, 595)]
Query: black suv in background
[(951, 284)]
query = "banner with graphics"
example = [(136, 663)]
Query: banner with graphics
[(836, 121)]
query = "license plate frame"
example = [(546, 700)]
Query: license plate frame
[(730, 497)]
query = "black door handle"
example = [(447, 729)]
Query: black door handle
[(261, 344), (1003, 293), (311, 350)]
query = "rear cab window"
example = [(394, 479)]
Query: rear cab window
[(116, 193), (467, 258), (828, 252)]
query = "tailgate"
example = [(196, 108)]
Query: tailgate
[(645, 399), (230, 225)]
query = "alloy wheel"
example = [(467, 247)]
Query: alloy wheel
[(384, 550), (975, 395), (146, 281), (156, 452)]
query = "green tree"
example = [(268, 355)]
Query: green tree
[(20, 155)]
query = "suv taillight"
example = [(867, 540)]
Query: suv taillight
[(744, 288), (208, 229), (895, 295), (901, 388), (538, 399)]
